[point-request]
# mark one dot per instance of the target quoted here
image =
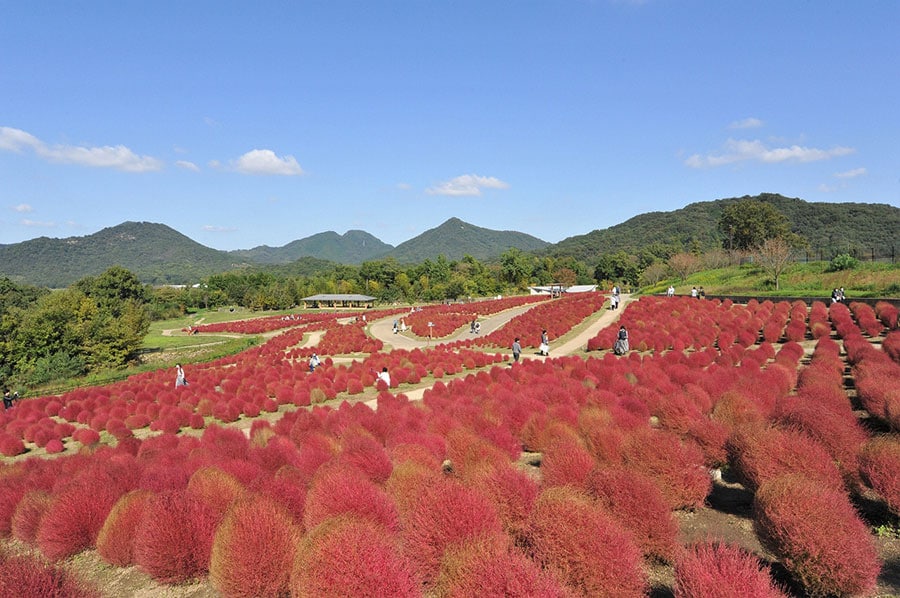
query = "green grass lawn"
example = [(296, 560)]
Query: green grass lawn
[(799, 280)]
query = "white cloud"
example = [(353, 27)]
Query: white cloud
[(266, 162), (850, 174), (827, 188), (23, 208), (187, 165), (467, 185), (38, 223), (739, 150), (747, 123), (211, 228), (107, 156)]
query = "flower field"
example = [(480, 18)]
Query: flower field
[(569, 476)]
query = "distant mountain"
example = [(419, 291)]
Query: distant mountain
[(454, 239), (353, 247), (156, 254), (830, 228)]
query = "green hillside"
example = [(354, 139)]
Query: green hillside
[(156, 253), (830, 228), (454, 239), (353, 247)]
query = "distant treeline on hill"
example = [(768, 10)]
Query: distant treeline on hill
[(157, 254)]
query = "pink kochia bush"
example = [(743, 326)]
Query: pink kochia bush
[(174, 537), (115, 543), (347, 556), (254, 549), (714, 570), (490, 567), (447, 514), (584, 546), (880, 469), (26, 576), (817, 535), (638, 504), (341, 489)]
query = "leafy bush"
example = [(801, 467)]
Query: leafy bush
[(816, 533), (58, 366), (254, 549), (842, 261), (715, 570)]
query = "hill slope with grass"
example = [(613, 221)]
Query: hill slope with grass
[(455, 239), (830, 228), (353, 247)]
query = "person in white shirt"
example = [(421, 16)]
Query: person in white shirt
[(384, 375)]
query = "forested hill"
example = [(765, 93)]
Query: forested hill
[(454, 239), (830, 228), (353, 247), (155, 253)]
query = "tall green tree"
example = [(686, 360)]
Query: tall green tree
[(747, 223)]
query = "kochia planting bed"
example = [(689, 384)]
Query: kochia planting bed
[(570, 476)]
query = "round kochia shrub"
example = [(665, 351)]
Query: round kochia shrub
[(74, 519), (254, 549), (638, 504), (28, 513), (583, 546), (817, 535), (173, 540), (26, 576), (446, 514), (880, 469), (490, 567), (339, 489), (347, 556), (713, 570), (115, 542)]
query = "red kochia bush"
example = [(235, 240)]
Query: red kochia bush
[(339, 489), (27, 517), (675, 465), (566, 463), (490, 567), (28, 576), (174, 537), (254, 549), (115, 542), (879, 465), (817, 535), (346, 556), (714, 570), (637, 503), (583, 546), (446, 514), (72, 522)]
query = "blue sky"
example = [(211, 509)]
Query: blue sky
[(241, 124)]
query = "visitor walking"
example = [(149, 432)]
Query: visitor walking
[(621, 346), (544, 349), (180, 380), (516, 349)]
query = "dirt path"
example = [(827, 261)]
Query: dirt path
[(383, 330)]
